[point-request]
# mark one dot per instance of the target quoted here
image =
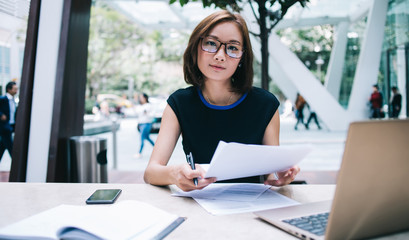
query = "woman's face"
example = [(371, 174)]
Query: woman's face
[(219, 66), (142, 99)]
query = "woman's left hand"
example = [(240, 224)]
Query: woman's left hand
[(284, 178)]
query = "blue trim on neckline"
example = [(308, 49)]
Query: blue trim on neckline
[(220, 107)]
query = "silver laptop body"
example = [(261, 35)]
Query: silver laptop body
[(372, 192)]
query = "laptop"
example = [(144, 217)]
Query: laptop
[(372, 192)]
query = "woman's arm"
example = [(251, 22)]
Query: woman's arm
[(157, 172), (271, 137), (272, 132)]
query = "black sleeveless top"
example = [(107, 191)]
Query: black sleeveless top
[(203, 125)]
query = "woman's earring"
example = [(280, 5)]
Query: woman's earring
[(240, 64)]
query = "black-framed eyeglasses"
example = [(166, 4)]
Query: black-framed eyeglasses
[(212, 45)]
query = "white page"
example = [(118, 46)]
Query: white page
[(231, 198), (268, 200), (225, 191), (236, 160)]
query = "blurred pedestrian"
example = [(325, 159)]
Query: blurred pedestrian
[(104, 109), (313, 116), (396, 102), (145, 120), (299, 111), (8, 109), (376, 101)]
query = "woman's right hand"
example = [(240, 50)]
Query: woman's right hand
[(184, 175)]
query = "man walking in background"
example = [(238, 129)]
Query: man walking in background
[(7, 118), (396, 102), (376, 101)]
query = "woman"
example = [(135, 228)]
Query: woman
[(299, 111), (144, 122), (221, 105)]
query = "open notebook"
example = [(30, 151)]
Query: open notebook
[(122, 220), (372, 192)]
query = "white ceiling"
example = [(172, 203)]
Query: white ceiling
[(158, 14), (15, 8)]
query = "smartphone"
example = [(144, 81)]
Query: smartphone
[(104, 196)]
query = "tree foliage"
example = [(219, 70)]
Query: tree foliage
[(113, 42), (120, 52)]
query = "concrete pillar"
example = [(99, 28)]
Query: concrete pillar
[(402, 77), (43, 89), (369, 59), (336, 63)]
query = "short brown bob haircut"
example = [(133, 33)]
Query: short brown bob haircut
[(243, 76)]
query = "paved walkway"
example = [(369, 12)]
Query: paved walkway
[(326, 155)]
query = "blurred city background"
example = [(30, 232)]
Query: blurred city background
[(136, 47)]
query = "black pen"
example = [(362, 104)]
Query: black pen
[(191, 162)]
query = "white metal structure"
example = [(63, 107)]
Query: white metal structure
[(287, 71), (292, 76)]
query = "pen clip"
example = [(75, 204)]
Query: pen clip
[(188, 158), (191, 161)]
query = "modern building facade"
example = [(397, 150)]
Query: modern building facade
[(378, 57)]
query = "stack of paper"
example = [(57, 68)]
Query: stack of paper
[(231, 198)]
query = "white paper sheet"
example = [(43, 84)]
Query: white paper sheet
[(223, 204), (226, 191), (236, 160)]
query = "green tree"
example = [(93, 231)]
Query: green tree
[(121, 52), (270, 13), (114, 42)]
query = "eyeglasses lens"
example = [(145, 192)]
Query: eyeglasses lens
[(211, 45)]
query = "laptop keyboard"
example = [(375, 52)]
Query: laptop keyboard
[(315, 224)]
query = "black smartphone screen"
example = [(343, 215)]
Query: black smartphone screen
[(104, 196)]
